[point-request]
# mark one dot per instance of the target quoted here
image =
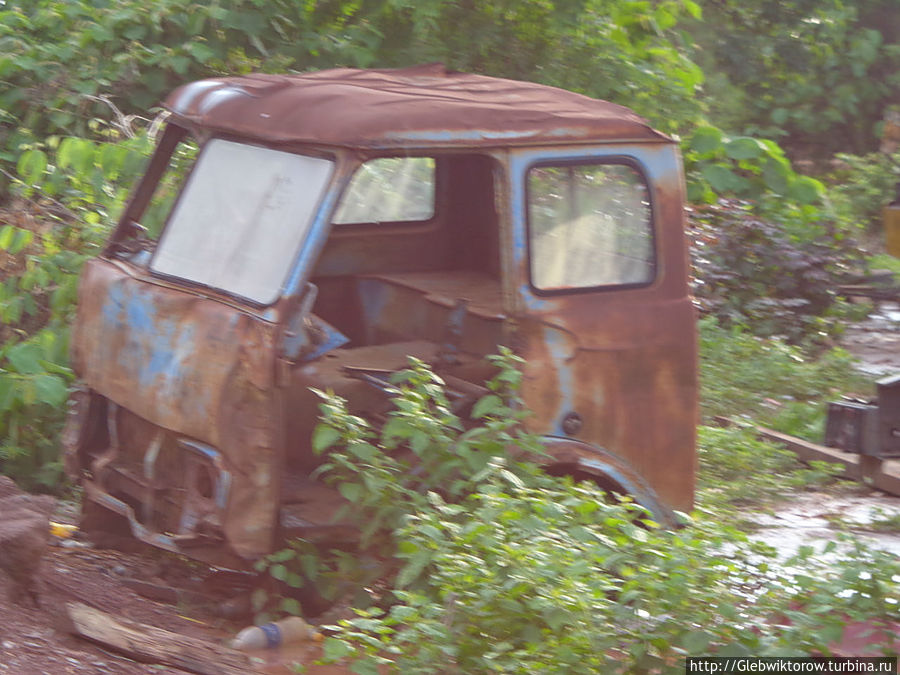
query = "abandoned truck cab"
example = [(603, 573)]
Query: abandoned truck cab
[(314, 231)]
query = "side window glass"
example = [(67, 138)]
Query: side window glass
[(389, 189), (589, 225)]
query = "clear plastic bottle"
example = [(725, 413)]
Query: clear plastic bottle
[(271, 635)]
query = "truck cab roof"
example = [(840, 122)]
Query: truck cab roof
[(424, 106)]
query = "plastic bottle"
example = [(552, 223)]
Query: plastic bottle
[(271, 635)]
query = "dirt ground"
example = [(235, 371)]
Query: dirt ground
[(36, 640)]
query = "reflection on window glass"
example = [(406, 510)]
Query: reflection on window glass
[(389, 189), (589, 225), (241, 219)]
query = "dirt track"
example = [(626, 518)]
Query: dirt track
[(36, 641)]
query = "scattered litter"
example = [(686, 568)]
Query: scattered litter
[(62, 530), (271, 635)]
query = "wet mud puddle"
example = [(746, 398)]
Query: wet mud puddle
[(816, 518), (875, 341)]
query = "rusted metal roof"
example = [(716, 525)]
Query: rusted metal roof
[(420, 106)]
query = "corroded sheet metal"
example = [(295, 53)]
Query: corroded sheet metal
[(623, 359), (422, 106), (196, 367)]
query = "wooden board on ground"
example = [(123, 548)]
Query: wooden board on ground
[(155, 645), (881, 474)]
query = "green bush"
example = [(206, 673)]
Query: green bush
[(814, 74), (76, 189), (745, 375), (770, 277), (863, 185), (492, 566)]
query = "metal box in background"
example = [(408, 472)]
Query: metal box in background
[(853, 426), (889, 416)]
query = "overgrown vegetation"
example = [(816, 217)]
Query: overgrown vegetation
[(816, 74), (774, 383), (472, 560), (71, 190), (494, 566), (772, 279)]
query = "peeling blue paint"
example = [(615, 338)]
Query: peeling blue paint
[(558, 343)]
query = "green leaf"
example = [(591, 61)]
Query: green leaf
[(720, 177), (291, 606), (50, 389), (25, 358), (805, 190), (310, 566), (744, 148), (334, 649), (692, 8), (283, 555), (365, 667), (486, 406), (350, 491), (7, 392), (695, 642), (278, 571), (780, 116), (324, 437), (413, 568), (776, 175), (32, 165), (20, 241), (7, 234), (706, 140)]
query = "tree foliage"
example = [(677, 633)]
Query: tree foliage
[(817, 74)]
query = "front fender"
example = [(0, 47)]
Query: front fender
[(568, 456)]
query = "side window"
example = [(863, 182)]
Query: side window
[(389, 189), (589, 225)]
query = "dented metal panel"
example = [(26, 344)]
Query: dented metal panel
[(196, 419), (623, 359), (192, 366), (420, 106)]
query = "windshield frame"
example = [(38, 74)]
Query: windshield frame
[(318, 204)]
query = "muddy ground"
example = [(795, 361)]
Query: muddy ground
[(37, 640)]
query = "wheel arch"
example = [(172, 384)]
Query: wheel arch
[(582, 461)]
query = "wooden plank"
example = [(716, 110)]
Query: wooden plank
[(808, 452), (881, 474), (155, 645)]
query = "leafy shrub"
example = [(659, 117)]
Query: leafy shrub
[(721, 165), (81, 185), (750, 271), (863, 185), (814, 74), (501, 568), (742, 374), (36, 301)]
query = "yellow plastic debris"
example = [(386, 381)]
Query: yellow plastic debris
[(62, 530)]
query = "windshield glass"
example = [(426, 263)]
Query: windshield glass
[(242, 218)]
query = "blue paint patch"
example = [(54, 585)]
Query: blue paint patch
[(561, 351), (373, 298)]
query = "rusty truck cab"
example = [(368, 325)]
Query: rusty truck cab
[(326, 227)]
